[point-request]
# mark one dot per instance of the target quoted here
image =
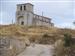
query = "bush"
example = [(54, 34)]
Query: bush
[(59, 48), (45, 35), (67, 39)]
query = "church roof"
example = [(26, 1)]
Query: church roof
[(43, 16), (26, 4)]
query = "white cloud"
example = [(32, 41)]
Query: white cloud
[(66, 25), (36, 0), (5, 18), (0, 18)]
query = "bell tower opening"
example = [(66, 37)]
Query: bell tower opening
[(24, 7), (21, 8)]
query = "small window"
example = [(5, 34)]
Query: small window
[(24, 7), (21, 8), (22, 23)]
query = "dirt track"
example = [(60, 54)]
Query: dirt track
[(38, 50)]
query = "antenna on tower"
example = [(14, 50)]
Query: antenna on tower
[(42, 13)]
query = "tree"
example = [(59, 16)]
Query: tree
[(74, 22), (67, 39)]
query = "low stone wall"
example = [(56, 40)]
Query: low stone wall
[(5, 49), (11, 46), (19, 45)]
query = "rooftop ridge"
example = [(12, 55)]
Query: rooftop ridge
[(25, 4)]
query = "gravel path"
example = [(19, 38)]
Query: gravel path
[(38, 50)]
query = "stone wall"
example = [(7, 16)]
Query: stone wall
[(11, 46)]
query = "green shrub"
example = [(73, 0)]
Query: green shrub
[(45, 35), (59, 48), (67, 39)]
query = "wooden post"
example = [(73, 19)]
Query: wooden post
[(27, 19), (42, 19), (12, 21)]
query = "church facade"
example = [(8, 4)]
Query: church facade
[(26, 16)]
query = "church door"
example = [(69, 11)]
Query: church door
[(22, 23)]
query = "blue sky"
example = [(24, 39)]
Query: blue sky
[(62, 12)]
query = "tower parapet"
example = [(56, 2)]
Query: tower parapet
[(25, 7)]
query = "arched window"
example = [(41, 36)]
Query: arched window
[(21, 8), (24, 7)]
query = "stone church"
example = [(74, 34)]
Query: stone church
[(26, 16)]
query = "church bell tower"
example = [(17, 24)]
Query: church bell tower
[(23, 13)]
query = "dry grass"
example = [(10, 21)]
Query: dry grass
[(31, 31), (35, 33)]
